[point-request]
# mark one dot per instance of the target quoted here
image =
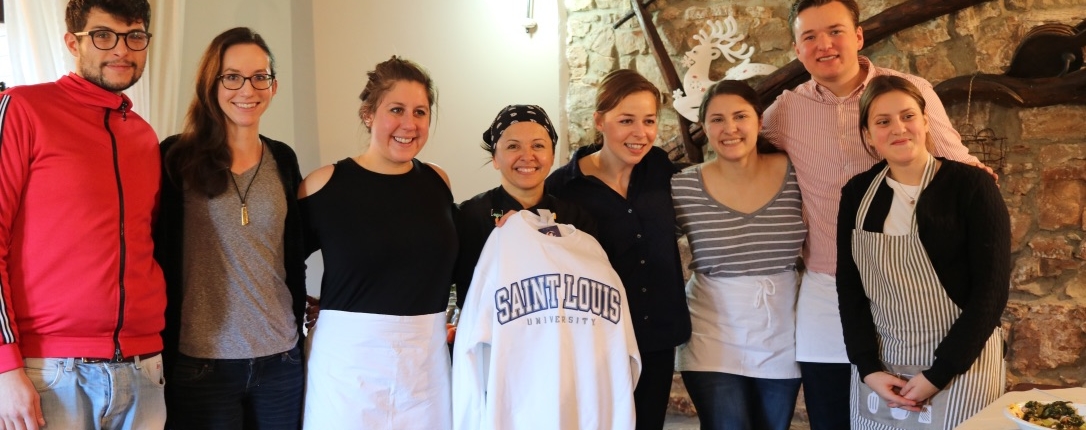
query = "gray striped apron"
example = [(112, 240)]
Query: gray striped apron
[(912, 314)]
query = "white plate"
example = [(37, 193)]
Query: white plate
[(1026, 425)]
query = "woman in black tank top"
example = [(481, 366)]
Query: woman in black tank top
[(384, 223)]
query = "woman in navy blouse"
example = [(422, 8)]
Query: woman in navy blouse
[(624, 182)]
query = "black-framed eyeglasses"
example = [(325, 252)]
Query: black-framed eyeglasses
[(234, 81), (136, 40)]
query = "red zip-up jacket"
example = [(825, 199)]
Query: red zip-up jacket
[(79, 183)]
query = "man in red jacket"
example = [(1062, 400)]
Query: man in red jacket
[(82, 298)]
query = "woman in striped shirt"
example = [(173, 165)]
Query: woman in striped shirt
[(742, 216)]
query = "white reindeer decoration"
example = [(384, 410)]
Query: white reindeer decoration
[(719, 41)]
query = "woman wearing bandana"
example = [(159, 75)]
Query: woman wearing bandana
[(521, 143)]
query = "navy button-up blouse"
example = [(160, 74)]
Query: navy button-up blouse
[(638, 234)]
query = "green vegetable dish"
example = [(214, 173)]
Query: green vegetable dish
[(1056, 415)]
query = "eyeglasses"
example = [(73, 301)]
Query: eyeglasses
[(234, 81), (136, 40)]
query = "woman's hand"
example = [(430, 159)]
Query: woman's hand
[(501, 221), (887, 386), (312, 310), (918, 389)]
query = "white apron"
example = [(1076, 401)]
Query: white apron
[(912, 314), (819, 338), (369, 371), (742, 325)]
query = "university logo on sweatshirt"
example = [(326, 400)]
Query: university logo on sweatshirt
[(586, 297)]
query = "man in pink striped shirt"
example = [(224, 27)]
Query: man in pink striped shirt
[(817, 124)]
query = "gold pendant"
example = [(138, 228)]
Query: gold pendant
[(244, 215)]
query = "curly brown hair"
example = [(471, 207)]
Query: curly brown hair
[(131, 11)]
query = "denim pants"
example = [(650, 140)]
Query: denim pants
[(84, 396), (825, 390), (248, 393), (729, 401)]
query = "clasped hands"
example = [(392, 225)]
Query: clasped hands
[(910, 395)]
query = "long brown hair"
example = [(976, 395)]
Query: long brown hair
[(200, 159)]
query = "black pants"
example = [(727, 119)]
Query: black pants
[(825, 390), (654, 388)]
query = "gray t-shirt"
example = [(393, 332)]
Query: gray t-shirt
[(236, 301)]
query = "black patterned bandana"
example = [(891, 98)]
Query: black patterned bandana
[(513, 114)]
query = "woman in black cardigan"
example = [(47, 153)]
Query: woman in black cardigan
[(923, 271)]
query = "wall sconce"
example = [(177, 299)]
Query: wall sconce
[(529, 22)]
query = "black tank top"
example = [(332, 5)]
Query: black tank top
[(389, 241)]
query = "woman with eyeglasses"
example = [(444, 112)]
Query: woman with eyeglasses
[(229, 239)]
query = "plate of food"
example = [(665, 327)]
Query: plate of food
[(1059, 415)]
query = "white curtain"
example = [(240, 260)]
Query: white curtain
[(36, 41), (163, 75)]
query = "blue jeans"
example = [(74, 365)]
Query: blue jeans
[(825, 390), (728, 401), (84, 396), (253, 393)]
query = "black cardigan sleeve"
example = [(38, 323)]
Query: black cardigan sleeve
[(983, 284), (857, 324), (168, 246)]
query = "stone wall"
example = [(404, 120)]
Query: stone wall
[(1043, 172)]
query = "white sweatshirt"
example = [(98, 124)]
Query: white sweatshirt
[(545, 339)]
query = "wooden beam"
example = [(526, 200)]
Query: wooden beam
[(876, 28), (1011, 91), (671, 77), (629, 15)]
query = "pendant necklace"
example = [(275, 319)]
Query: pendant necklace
[(243, 197), (912, 198)]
